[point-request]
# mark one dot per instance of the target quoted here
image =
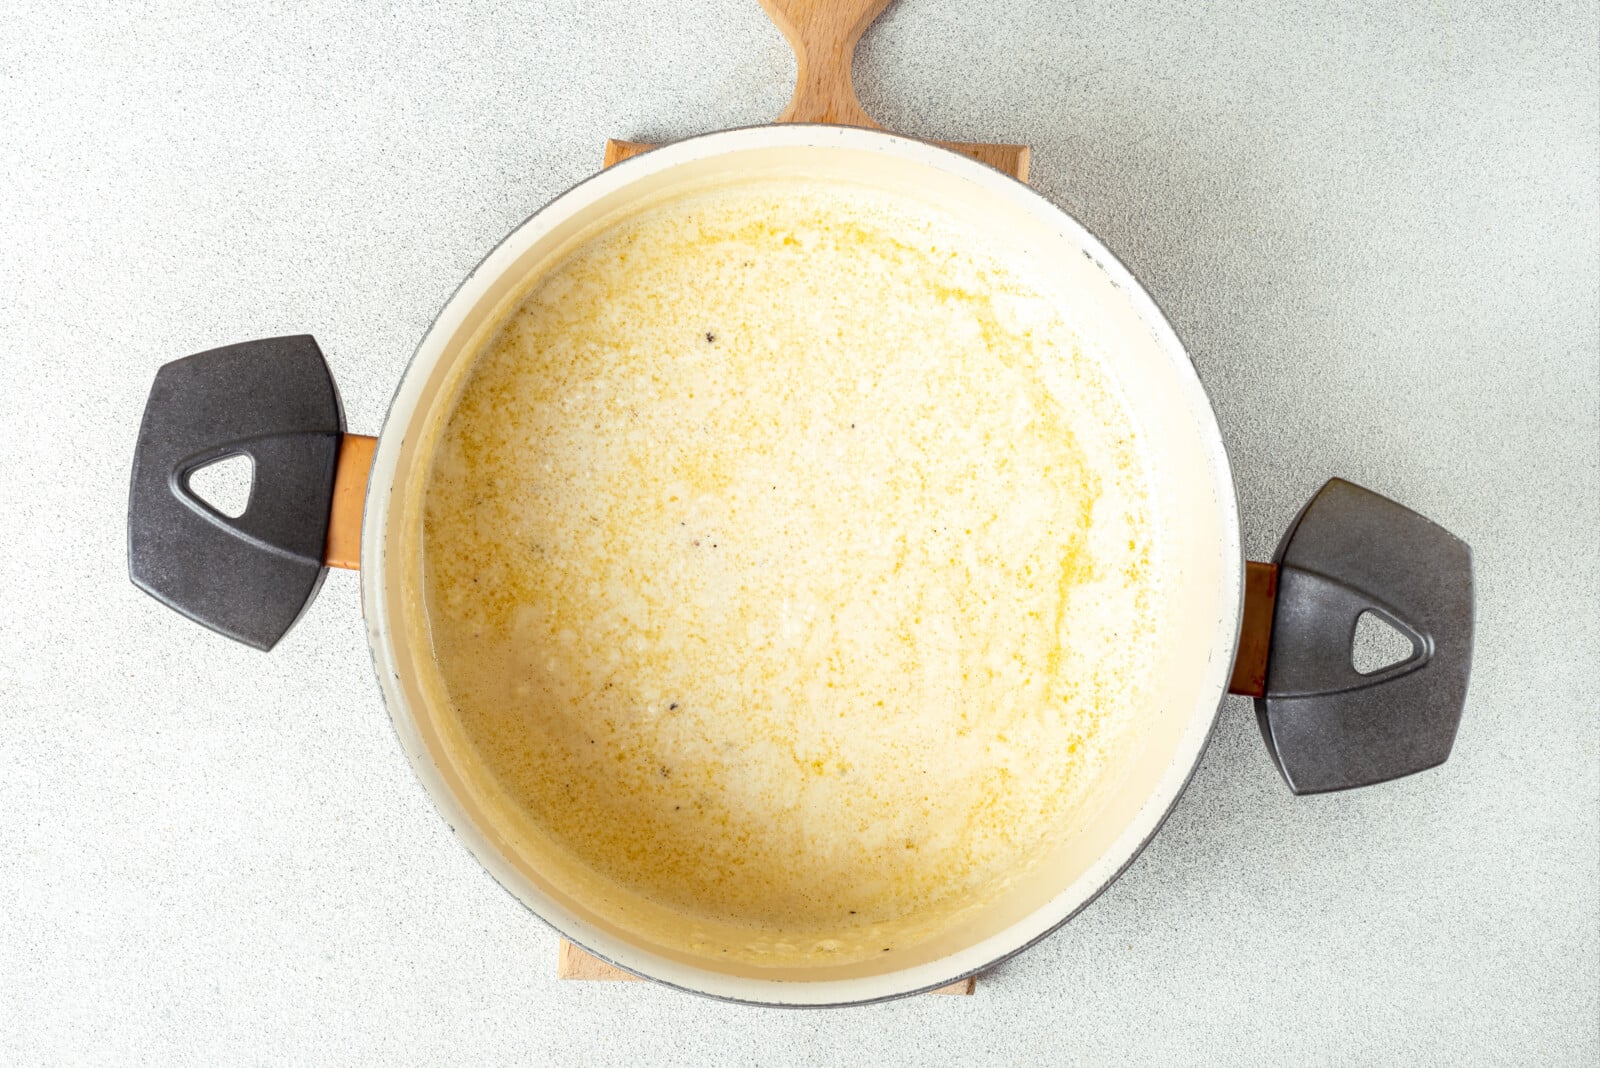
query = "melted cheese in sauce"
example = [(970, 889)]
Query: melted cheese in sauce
[(788, 561)]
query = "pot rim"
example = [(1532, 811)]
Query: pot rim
[(380, 487)]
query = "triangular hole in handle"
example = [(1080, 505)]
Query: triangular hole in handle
[(224, 484), (1379, 645)]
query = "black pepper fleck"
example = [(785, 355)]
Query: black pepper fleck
[(710, 337)]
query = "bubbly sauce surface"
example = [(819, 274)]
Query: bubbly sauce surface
[(788, 560)]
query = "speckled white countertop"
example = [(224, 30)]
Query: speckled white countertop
[(1376, 225)]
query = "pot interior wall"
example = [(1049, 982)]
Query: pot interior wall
[(1192, 510)]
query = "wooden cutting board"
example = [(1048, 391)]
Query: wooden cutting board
[(824, 34), (574, 963)]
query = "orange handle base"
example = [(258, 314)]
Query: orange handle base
[(1255, 632), (343, 547)]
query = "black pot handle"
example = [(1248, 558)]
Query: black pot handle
[(1327, 725), (252, 576)]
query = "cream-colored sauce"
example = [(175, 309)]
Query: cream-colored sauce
[(788, 560)]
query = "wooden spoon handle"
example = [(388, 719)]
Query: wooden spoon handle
[(823, 34)]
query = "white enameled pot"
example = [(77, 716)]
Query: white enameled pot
[(1351, 552)]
